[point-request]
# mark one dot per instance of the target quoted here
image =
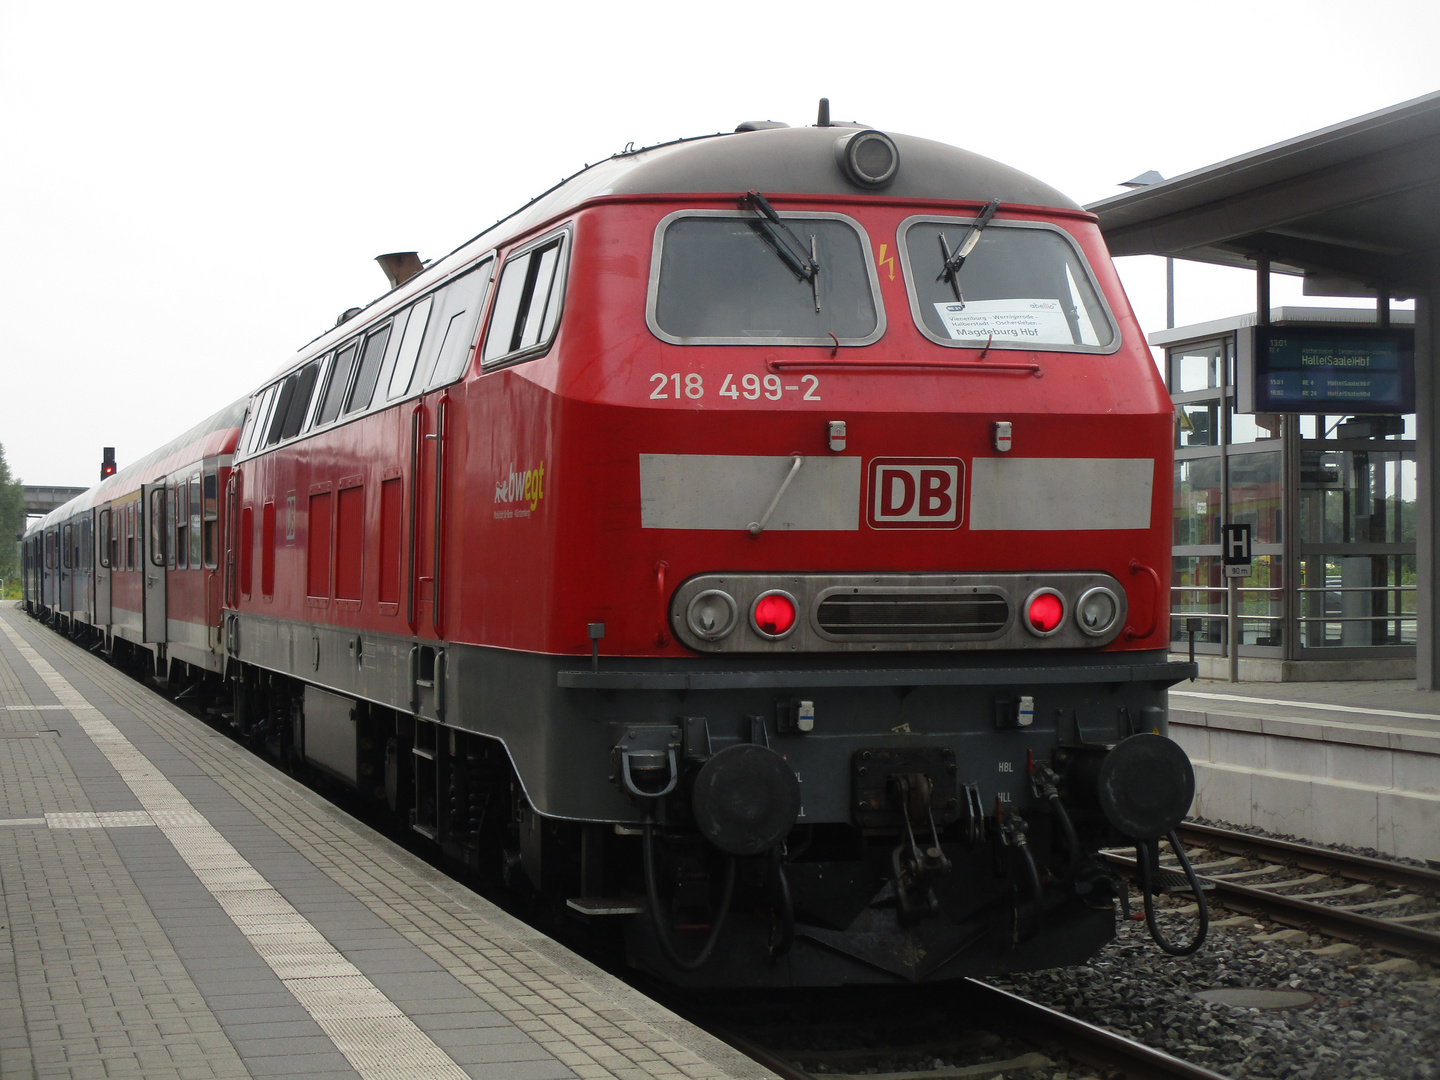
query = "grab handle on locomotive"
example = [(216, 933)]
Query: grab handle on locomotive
[(648, 762)]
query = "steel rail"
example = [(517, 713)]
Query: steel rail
[(1309, 915), (1028, 1022), (1311, 857), (1092, 1044)]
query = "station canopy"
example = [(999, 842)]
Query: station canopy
[(1354, 207)]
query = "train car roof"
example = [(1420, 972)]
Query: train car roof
[(775, 161), (214, 435)]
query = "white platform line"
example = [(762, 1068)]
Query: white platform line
[(1361, 710), (385, 1044)]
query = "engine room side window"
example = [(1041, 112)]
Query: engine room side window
[(369, 370), (339, 383), (527, 302), (1010, 286), (732, 277)]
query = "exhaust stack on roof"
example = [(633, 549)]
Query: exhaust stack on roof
[(400, 266)]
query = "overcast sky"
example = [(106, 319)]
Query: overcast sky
[(190, 191)]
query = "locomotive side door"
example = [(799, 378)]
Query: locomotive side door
[(153, 500), (104, 525), (428, 438), (425, 585)]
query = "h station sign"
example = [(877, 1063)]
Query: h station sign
[(1235, 551)]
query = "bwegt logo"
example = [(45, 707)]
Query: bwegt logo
[(916, 493)]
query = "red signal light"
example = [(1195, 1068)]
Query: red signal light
[(1045, 611), (774, 614)]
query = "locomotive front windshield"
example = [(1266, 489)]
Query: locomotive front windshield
[(723, 277), (1023, 287)]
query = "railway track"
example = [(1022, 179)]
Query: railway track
[(1356, 898), (1016, 1037)]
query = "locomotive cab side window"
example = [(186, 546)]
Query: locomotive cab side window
[(460, 305), (730, 277), (415, 321), (1019, 286), (527, 302)]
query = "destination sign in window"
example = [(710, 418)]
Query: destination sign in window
[(1325, 369)]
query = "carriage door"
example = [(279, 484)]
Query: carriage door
[(104, 564), (67, 568), (153, 496)]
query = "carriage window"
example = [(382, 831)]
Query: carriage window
[(107, 539), (339, 383), (527, 301), (1020, 287), (369, 370), (728, 276), (179, 523), (195, 522), (156, 513), (302, 385), (65, 547), (409, 348), (462, 301), (212, 516)]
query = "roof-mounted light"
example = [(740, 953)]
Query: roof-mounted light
[(868, 157)]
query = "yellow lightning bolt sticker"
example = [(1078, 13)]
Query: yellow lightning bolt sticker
[(889, 263)]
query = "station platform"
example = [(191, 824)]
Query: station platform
[(176, 909), (1353, 763)]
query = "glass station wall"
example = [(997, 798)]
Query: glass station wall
[(1331, 498)]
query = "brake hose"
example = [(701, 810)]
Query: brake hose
[(1072, 841), (662, 935), (1142, 857), (787, 905)]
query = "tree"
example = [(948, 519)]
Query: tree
[(12, 522)]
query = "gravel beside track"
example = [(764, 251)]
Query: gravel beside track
[(1365, 1020)]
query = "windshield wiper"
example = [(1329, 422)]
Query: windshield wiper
[(950, 270), (805, 265)]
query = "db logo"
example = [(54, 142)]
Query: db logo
[(915, 493)]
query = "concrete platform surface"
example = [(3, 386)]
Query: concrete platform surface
[(176, 909), (1353, 763)]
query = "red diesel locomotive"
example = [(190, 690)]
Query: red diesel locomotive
[(758, 540)]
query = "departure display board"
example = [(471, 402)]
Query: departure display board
[(1339, 370)]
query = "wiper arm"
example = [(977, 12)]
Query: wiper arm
[(950, 269), (804, 264)]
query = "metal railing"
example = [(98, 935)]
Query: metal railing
[(1208, 606)]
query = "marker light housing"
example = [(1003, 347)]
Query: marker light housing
[(1096, 611), (712, 615)]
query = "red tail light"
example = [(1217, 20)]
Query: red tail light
[(1044, 611), (774, 614)]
